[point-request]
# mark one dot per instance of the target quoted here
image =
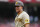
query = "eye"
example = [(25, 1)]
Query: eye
[(16, 6)]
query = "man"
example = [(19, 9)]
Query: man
[(22, 18)]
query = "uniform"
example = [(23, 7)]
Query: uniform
[(22, 19)]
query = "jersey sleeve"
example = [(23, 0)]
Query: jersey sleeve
[(26, 19)]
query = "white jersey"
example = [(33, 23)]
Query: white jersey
[(21, 19)]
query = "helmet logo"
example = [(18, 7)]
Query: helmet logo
[(16, 2)]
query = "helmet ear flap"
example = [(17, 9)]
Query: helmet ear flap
[(23, 8)]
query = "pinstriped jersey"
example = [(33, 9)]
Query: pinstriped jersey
[(22, 19)]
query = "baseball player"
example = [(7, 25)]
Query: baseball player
[(22, 18)]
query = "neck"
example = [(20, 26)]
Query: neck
[(20, 12)]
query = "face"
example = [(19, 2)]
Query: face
[(18, 8)]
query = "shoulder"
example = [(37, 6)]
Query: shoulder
[(25, 13)]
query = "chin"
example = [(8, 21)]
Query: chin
[(17, 11)]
